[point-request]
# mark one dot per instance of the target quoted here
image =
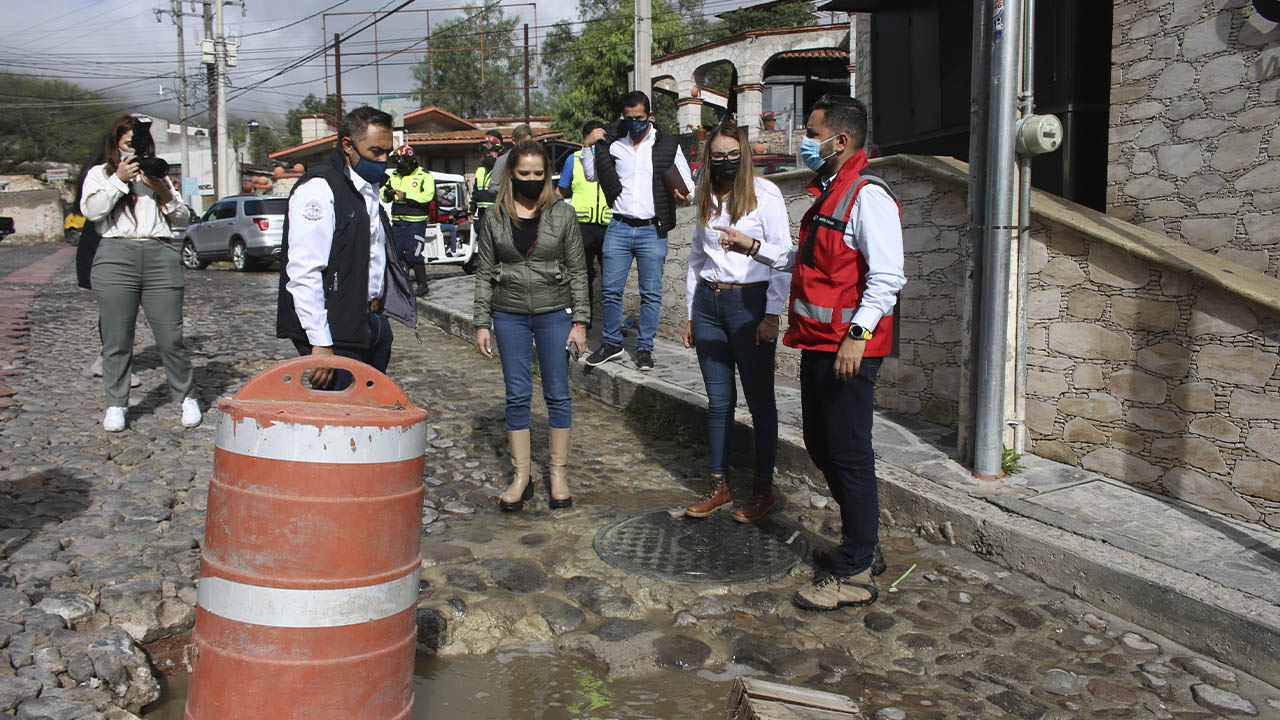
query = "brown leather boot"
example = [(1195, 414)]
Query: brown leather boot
[(520, 489), (557, 473), (759, 504), (716, 497)]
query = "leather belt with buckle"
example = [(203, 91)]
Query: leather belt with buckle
[(733, 286)]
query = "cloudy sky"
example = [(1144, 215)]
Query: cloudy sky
[(117, 47)]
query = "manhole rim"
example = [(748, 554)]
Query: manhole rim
[(800, 543)]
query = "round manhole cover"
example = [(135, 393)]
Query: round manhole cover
[(691, 550)]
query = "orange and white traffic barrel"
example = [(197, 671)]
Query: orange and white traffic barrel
[(310, 566)]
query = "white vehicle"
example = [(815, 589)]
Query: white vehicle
[(451, 204)]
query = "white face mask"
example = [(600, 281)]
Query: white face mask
[(126, 154)]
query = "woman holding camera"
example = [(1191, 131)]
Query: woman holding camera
[(531, 289), (136, 264), (733, 308)]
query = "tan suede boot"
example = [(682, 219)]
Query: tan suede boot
[(557, 472), (520, 489)]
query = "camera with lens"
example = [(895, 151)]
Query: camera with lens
[(144, 149)]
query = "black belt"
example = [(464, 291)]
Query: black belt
[(733, 286), (635, 222)]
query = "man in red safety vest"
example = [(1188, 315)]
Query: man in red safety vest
[(846, 274)]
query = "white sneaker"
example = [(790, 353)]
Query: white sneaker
[(113, 421), (134, 381), (191, 415)]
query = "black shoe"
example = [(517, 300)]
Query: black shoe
[(822, 558), (644, 360), (518, 505), (604, 354), (422, 291)]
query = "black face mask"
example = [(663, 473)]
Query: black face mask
[(726, 169), (531, 189)]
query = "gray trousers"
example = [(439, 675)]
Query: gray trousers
[(127, 273)]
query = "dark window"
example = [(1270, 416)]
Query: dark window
[(921, 60), (224, 211), (275, 206), (254, 207)]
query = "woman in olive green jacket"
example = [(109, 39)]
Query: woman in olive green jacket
[(531, 289)]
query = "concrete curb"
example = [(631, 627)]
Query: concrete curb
[(1238, 629)]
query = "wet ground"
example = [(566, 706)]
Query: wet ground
[(520, 618)]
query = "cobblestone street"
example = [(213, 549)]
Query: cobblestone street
[(100, 533)]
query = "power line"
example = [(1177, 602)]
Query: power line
[(296, 22)]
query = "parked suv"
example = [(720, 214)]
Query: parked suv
[(245, 229)]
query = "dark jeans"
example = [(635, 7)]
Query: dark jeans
[(724, 334), (378, 354), (516, 337), (405, 236), (837, 434), (593, 245)]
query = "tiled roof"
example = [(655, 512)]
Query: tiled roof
[(449, 137), (822, 54)]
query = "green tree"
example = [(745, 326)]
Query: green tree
[(783, 15), (310, 105), (467, 71), (45, 120), (587, 62)]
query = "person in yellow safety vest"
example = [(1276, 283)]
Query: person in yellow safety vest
[(481, 197), (410, 190), (589, 200)]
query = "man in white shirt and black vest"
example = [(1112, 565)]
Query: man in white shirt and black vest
[(629, 163), (336, 285)]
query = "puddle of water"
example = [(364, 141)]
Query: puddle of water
[(534, 682)]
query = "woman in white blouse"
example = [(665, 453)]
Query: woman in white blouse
[(733, 308), (136, 264)]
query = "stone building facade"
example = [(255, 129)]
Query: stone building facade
[(1149, 362), (1194, 149)]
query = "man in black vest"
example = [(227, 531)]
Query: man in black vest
[(629, 163), (336, 284)]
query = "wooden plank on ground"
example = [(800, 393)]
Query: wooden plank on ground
[(755, 699)]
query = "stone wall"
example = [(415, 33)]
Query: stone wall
[(1139, 369), (1194, 148), (37, 214)]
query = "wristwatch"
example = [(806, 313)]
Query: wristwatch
[(857, 332)]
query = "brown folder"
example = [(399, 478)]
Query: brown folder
[(673, 182)]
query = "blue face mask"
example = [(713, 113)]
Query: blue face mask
[(372, 172), (811, 153), (636, 128)]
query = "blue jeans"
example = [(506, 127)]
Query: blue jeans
[(451, 235), (623, 242), (405, 235), (724, 334), (516, 335)]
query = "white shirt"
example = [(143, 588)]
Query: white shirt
[(311, 228), (148, 220), (634, 163), (768, 223), (875, 230)]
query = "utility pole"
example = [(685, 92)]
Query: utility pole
[(220, 69), (644, 46), (211, 83), (526, 73), (176, 15), (337, 74)]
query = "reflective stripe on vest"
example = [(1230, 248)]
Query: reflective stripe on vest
[(482, 182), (806, 309), (588, 198)]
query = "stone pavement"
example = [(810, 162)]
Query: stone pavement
[(99, 538), (1213, 581)]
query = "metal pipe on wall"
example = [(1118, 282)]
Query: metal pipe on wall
[(1026, 106), (998, 236)]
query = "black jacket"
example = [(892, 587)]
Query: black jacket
[(665, 147), (346, 275)]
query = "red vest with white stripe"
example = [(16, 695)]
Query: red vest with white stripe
[(829, 277)]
